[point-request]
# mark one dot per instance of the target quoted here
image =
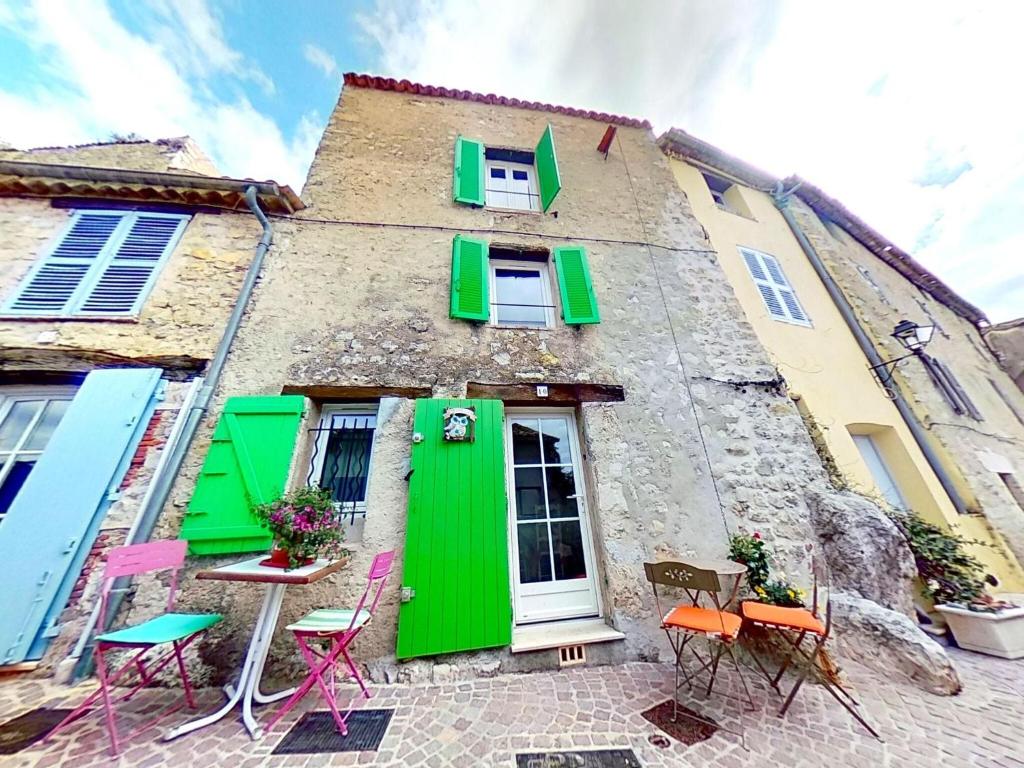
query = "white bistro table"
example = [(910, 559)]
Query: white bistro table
[(247, 689)]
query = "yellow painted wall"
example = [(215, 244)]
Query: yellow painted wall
[(823, 365)]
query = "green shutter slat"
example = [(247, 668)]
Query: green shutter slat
[(470, 298), (548, 178), (468, 179), (579, 304), (247, 464), (456, 545)]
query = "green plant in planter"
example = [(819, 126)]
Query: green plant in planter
[(752, 552), (305, 523), (949, 573)]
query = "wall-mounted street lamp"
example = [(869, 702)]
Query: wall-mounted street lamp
[(914, 339)]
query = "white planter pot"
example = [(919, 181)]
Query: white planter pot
[(997, 634)]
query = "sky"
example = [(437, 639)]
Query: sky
[(910, 112)]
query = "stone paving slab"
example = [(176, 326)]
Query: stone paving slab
[(485, 722)]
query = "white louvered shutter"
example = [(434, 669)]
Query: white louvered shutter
[(104, 265), (778, 295)]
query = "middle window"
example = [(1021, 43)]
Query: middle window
[(510, 180), (521, 291)]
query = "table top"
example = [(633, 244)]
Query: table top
[(722, 567), (251, 570)]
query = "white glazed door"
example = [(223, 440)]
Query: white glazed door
[(552, 558)]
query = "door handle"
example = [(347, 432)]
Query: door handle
[(574, 496)]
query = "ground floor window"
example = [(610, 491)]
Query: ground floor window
[(880, 471), (28, 417), (342, 451)]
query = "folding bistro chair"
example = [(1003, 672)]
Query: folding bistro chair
[(690, 620), (339, 627), (176, 629), (794, 626)]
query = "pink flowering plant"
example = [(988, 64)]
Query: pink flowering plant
[(305, 523)]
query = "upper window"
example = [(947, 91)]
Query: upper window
[(521, 292), (341, 454), (104, 265), (511, 185), (510, 179), (778, 295), (27, 420)]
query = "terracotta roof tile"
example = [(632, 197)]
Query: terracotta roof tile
[(405, 86)]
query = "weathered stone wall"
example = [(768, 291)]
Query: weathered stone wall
[(1006, 340), (348, 298), (881, 297), (180, 323), (177, 155)]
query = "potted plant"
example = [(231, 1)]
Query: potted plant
[(306, 525), (954, 580), (751, 552)]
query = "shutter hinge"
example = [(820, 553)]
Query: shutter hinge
[(113, 495), (407, 594), (52, 629)]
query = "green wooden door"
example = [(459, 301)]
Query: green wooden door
[(456, 545)]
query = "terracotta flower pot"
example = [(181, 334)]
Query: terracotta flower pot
[(280, 558)]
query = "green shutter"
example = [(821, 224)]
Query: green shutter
[(548, 179), (468, 184), (470, 299), (456, 541), (579, 305), (247, 464)]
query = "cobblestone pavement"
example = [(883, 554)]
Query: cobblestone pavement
[(485, 722)]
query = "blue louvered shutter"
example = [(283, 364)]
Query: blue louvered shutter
[(52, 522), (779, 297), (104, 265)]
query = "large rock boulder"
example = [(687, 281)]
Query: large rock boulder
[(866, 553), (887, 641)]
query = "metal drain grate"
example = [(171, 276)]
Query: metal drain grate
[(25, 730), (316, 733), (572, 655), (589, 758)]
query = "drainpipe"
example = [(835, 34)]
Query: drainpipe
[(159, 492), (781, 200)]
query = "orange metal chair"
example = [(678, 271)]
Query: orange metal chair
[(691, 620), (794, 626)]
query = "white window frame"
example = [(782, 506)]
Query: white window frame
[(9, 397), (497, 263), (328, 413), (96, 269), (770, 266), (509, 167), (885, 481)]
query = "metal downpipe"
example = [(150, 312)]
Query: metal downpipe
[(161, 490), (781, 200)]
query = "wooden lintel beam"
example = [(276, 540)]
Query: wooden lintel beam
[(353, 393), (558, 394)]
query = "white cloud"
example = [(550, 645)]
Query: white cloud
[(106, 79), (320, 59), (864, 100)]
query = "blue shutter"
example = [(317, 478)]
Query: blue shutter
[(105, 264), (53, 521)]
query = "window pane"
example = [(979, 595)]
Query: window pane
[(520, 176), (347, 459), (534, 553), (525, 442), (529, 493), (54, 412), (12, 484), (556, 441), (17, 421), (562, 485), (520, 297), (497, 173), (567, 543)]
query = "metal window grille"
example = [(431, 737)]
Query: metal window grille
[(341, 460)]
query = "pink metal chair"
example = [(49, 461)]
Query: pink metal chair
[(177, 629), (338, 626)]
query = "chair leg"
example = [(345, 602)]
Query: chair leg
[(715, 658), (329, 661), (108, 705), (355, 671), (184, 676), (739, 671)]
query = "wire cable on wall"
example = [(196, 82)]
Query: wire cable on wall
[(675, 339)]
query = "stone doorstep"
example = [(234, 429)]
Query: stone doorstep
[(555, 634)]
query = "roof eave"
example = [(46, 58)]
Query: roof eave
[(26, 179)]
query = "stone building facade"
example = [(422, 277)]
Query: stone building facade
[(682, 430), (1006, 340), (866, 442), (119, 265)]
